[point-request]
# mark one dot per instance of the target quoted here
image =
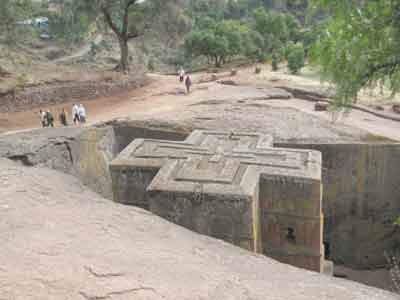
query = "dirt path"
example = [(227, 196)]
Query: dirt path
[(165, 96)]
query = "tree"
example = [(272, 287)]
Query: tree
[(218, 41), (71, 25), (360, 46), (128, 19), (116, 16), (12, 12), (275, 62), (252, 44), (295, 58), (273, 28), (214, 9)]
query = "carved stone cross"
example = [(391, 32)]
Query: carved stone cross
[(232, 186)]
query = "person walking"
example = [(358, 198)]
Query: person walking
[(63, 117), (181, 74), (188, 83), (42, 116), (75, 114), (82, 114), (49, 119)]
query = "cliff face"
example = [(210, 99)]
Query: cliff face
[(62, 241)]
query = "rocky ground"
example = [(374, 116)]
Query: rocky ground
[(263, 106), (62, 241), (50, 224)]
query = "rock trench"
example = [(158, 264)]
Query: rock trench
[(361, 182)]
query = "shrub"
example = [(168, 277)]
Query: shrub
[(151, 65), (21, 81), (275, 62), (296, 58)]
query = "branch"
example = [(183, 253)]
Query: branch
[(109, 21), (134, 35), (129, 3), (381, 67), (375, 69)]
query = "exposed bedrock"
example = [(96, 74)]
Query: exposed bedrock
[(81, 152), (60, 240), (361, 181)]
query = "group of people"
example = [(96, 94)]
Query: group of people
[(46, 118), (187, 80), (79, 111), (78, 116)]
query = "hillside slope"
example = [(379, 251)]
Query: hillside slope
[(61, 241)]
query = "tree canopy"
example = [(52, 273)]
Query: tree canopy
[(256, 37), (218, 41), (12, 12), (359, 47)]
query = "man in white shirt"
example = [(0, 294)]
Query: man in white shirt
[(42, 115), (82, 114), (181, 74), (75, 114)]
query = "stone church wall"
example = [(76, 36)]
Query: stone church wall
[(361, 199)]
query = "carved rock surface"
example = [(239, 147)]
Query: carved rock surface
[(83, 152), (62, 241)]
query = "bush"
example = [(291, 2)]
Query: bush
[(94, 49), (275, 62), (296, 58), (21, 81), (151, 65)]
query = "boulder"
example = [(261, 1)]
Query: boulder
[(258, 70), (227, 82), (396, 108)]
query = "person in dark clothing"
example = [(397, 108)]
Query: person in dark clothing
[(188, 83), (63, 118), (49, 119)]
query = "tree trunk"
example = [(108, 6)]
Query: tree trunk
[(217, 62), (124, 60)]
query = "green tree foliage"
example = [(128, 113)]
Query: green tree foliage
[(277, 29), (252, 44), (225, 29), (220, 41), (127, 19), (71, 25), (116, 15), (360, 46), (214, 40), (295, 58), (11, 12), (214, 9)]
